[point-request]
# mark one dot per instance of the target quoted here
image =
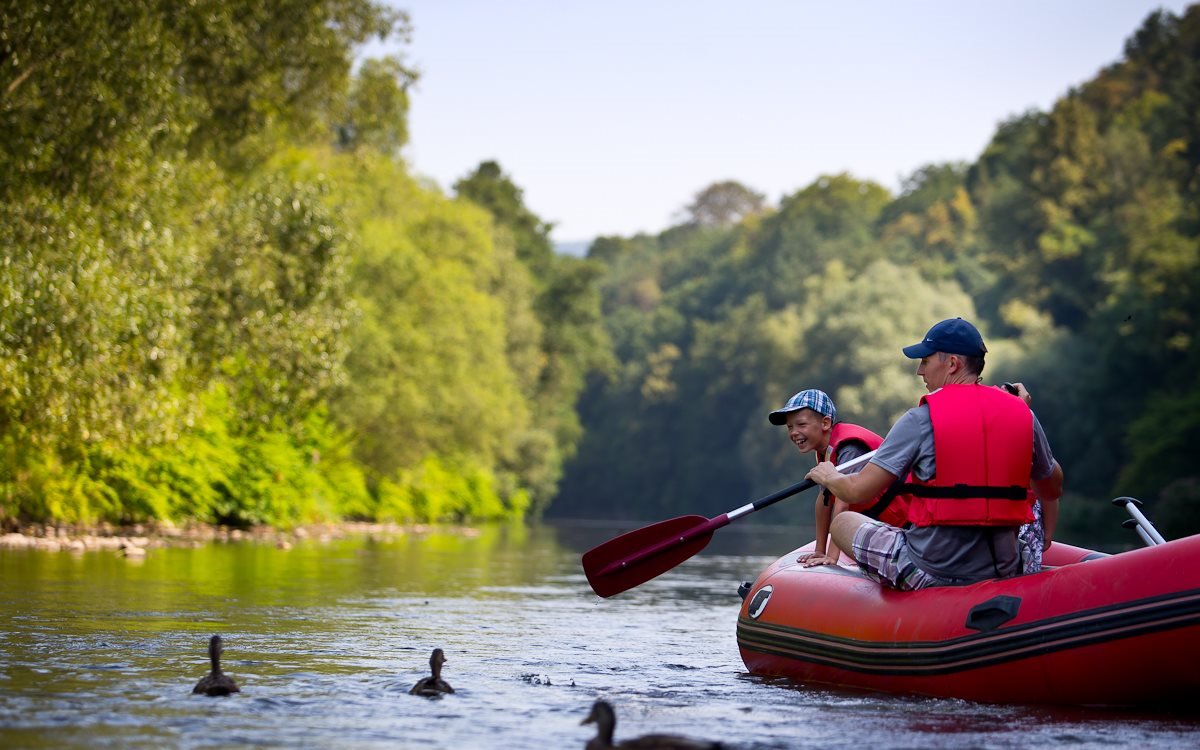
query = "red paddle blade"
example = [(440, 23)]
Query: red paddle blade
[(608, 576)]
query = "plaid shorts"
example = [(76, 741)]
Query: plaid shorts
[(882, 555)]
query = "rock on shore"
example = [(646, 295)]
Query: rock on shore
[(135, 541)]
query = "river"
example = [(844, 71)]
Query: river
[(325, 639)]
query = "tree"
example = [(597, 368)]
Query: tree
[(162, 281), (377, 110), (933, 224), (93, 90), (274, 300), (573, 341), (724, 203)]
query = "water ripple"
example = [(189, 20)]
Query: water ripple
[(325, 642)]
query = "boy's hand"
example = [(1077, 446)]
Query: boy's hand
[(814, 560)]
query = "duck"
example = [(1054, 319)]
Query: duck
[(434, 685), (216, 682), (605, 720)]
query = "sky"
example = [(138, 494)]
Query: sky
[(612, 115)]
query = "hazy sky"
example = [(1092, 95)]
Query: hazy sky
[(612, 115)]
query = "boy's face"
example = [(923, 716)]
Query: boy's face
[(808, 430)]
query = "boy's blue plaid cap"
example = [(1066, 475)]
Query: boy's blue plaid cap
[(809, 399)]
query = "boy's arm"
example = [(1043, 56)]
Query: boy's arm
[(834, 554), (831, 554), (822, 513)]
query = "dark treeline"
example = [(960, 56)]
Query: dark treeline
[(1074, 241), (224, 298)]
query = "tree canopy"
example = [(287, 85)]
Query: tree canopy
[(227, 300)]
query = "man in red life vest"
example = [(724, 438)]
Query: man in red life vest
[(974, 453), (813, 427)]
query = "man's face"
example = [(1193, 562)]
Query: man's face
[(808, 430), (934, 370)]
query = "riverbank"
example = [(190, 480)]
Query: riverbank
[(137, 540)]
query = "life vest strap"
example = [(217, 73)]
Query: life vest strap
[(885, 500), (1011, 492)]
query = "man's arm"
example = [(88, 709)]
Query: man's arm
[(1048, 491), (852, 488), (899, 451)]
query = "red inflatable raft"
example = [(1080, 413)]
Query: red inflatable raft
[(1095, 629)]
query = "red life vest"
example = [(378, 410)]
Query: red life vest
[(887, 507), (983, 453)]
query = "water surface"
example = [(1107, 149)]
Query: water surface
[(326, 638)]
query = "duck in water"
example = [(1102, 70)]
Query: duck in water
[(606, 721), (216, 682), (433, 686)]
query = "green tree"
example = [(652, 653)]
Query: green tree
[(933, 224), (272, 293), (433, 366), (723, 203), (377, 107), (161, 283), (573, 341)]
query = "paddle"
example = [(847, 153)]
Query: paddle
[(635, 557)]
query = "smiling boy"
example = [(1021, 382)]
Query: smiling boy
[(811, 420)]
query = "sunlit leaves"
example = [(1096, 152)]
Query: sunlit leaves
[(86, 93), (377, 108), (445, 345), (272, 293), (93, 323)]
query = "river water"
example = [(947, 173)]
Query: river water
[(326, 638)]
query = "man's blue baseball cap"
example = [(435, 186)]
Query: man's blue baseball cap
[(953, 336), (809, 399)]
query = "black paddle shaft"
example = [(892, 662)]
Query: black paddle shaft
[(787, 492)]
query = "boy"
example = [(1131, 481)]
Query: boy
[(811, 419)]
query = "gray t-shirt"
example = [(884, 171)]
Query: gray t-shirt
[(959, 554), (847, 451)]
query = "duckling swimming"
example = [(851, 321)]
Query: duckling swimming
[(216, 682), (606, 720), (433, 686)]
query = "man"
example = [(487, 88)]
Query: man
[(813, 427), (968, 448)]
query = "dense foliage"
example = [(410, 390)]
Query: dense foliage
[(225, 299), (1074, 241)]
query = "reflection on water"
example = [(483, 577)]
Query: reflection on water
[(325, 640)]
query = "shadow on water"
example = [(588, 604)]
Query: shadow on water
[(326, 638)]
